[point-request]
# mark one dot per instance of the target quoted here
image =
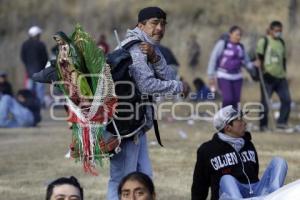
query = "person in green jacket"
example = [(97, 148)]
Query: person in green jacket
[(271, 52)]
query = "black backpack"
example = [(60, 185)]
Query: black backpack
[(127, 124)]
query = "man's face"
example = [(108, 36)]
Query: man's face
[(154, 28), (276, 31), (134, 190), (237, 129), (65, 192)]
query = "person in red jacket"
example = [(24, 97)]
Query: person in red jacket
[(228, 163)]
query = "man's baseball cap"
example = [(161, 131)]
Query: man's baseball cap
[(225, 115), (151, 12), (34, 31)]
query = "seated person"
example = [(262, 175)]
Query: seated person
[(136, 185), (24, 111), (203, 93), (228, 163), (5, 86), (64, 189)]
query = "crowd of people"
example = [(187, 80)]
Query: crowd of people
[(228, 163), (229, 56)]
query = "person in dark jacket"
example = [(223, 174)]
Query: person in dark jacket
[(30, 101), (194, 51), (228, 163), (5, 86), (24, 111), (203, 93), (34, 56)]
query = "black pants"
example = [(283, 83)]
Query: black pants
[(280, 86)]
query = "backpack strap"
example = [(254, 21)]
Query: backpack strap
[(242, 46), (226, 43), (282, 42), (156, 130), (266, 42), (155, 124), (130, 44)]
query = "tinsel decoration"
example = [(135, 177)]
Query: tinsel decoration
[(89, 90)]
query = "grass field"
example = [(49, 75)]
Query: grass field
[(30, 158)]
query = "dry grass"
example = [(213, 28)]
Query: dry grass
[(32, 157), (29, 158), (206, 19)]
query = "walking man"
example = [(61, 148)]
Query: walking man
[(34, 56), (151, 75), (271, 52)]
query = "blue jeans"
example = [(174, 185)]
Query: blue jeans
[(280, 86), (38, 89), (133, 157), (13, 114), (273, 179)]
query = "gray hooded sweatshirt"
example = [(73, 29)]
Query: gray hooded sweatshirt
[(157, 78)]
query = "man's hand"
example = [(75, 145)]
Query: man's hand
[(212, 83), (257, 63), (148, 49)]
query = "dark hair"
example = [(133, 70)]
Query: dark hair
[(150, 12), (61, 181), (198, 83), (275, 24), (27, 94), (229, 123), (234, 28), (141, 178)]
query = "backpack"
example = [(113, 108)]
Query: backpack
[(225, 38), (266, 43), (127, 124)]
